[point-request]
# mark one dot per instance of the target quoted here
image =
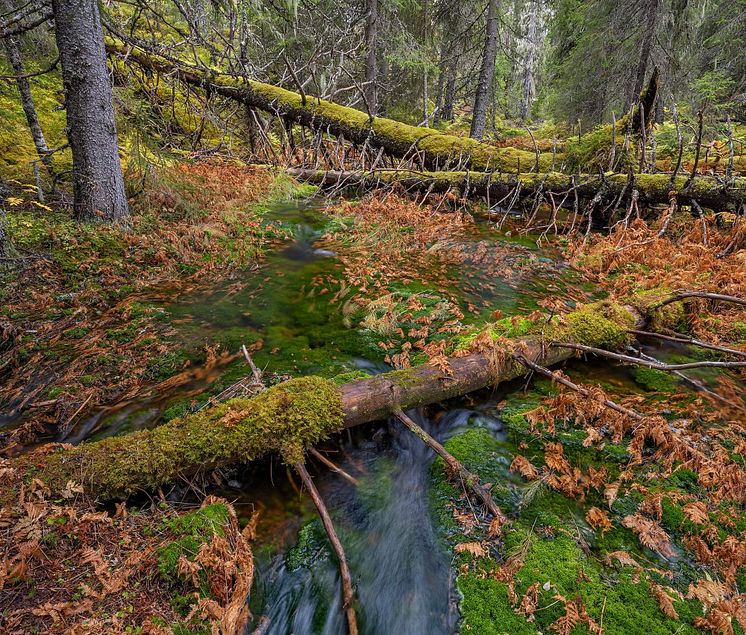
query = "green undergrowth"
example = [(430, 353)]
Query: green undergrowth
[(561, 552), (603, 324)]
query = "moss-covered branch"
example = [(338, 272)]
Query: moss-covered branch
[(651, 188), (396, 138), (293, 416)]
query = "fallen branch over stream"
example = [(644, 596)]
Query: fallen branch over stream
[(348, 595), (469, 480), (294, 416)]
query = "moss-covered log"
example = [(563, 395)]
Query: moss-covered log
[(437, 150), (293, 416), (652, 188)]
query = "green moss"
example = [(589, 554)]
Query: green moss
[(555, 561), (287, 418), (601, 324), (739, 329), (311, 545), (671, 317), (653, 379), (353, 375), (191, 531), (76, 333)]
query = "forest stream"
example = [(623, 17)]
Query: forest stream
[(391, 523)]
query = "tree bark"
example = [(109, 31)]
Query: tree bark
[(449, 98), (651, 188), (98, 184), (529, 63), (293, 416), (486, 73), (646, 45), (5, 249), (442, 69), (371, 57)]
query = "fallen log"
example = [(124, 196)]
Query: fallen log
[(651, 188), (436, 149), (294, 416)]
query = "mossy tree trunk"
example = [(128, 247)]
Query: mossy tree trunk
[(437, 150), (291, 417)]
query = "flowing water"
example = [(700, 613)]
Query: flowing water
[(401, 571)]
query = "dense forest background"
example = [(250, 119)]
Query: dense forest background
[(559, 66)]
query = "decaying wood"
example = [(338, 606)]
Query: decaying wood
[(651, 189), (397, 139), (470, 480), (292, 417), (348, 594)]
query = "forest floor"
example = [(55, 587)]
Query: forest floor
[(615, 524)]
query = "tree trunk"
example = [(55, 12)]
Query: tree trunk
[(652, 189), (13, 50), (98, 184), (5, 249), (293, 416), (530, 62), (646, 45), (442, 69), (486, 73), (449, 99), (371, 58)]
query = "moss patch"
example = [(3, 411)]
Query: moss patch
[(191, 530)]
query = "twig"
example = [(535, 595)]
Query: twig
[(700, 212), (535, 166), (566, 382), (689, 340), (471, 480), (643, 362), (683, 295), (690, 180), (254, 370), (695, 383), (334, 468), (348, 595), (680, 141), (77, 412)]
